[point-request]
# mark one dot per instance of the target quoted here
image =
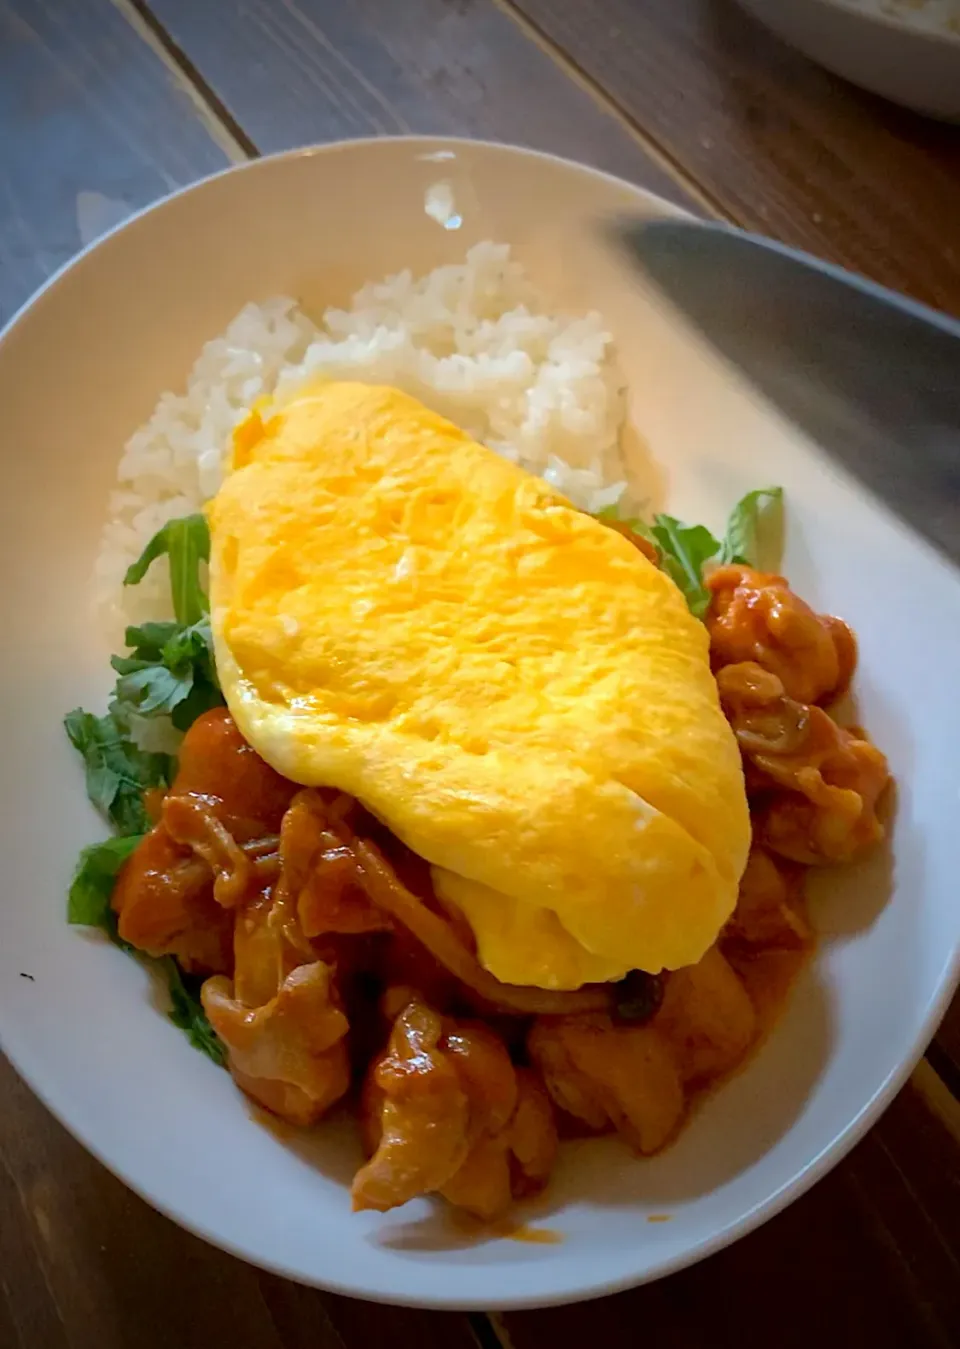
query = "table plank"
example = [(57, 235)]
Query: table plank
[(294, 71), (780, 145), (872, 1252), (93, 124)]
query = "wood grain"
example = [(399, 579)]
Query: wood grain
[(780, 145), (870, 1256), (85, 1264), (90, 120), (295, 71)]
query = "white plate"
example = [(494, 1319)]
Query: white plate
[(79, 369)]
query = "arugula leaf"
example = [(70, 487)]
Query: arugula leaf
[(89, 906), (187, 1012), (170, 673), (684, 550), (117, 772), (148, 640), (88, 903), (749, 518), (150, 689), (186, 543)]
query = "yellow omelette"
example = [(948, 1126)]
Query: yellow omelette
[(509, 685)]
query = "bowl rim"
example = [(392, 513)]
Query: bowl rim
[(812, 1170), (936, 37)]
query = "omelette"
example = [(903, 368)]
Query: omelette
[(509, 685)]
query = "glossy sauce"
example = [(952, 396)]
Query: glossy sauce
[(504, 1229)]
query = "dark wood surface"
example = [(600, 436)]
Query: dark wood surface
[(120, 102), (779, 145), (315, 70), (92, 126)]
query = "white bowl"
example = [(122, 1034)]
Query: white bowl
[(895, 56), (79, 369)]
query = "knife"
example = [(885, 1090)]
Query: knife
[(871, 376)]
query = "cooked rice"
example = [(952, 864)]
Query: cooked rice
[(473, 341)]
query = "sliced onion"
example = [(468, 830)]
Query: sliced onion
[(386, 891)]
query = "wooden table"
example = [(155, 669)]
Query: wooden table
[(107, 104)]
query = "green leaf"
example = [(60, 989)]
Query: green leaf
[(187, 1011), (186, 543), (88, 905), (176, 676), (117, 772), (191, 646), (150, 690), (684, 551), (753, 519), (149, 639), (202, 697), (88, 902)]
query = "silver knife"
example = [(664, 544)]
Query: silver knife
[(870, 375)]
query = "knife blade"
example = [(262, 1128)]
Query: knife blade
[(872, 376)]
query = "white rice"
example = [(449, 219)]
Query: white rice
[(473, 341)]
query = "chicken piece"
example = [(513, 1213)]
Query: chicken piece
[(706, 1018), (289, 1054), (838, 821), (268, 945), (755, 616), (768, 913), (482, 1184), (533, 1140), (604, 1074), (169, 893), (514, 1162), (216, 763), (225, 796), (321, 872), (832, 778), (193, 822), (445, 1112), (415, 1115), (163, 899)]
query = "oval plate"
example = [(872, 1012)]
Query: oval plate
[(80, 368)]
